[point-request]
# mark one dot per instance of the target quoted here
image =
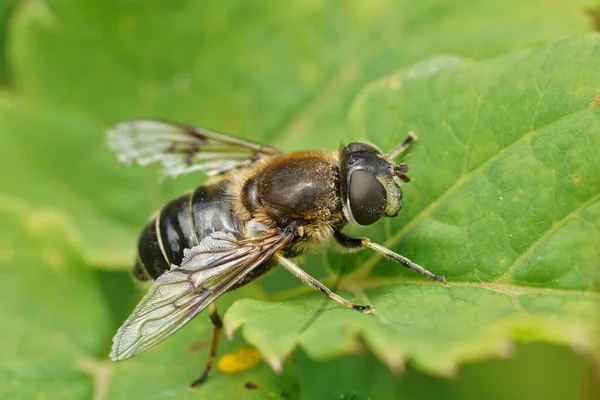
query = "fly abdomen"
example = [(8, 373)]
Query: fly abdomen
[(181, 225), (212, 211), (176, 228), (164, 238), (151, 261)]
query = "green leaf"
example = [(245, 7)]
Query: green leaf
[(505, 202), (6, 10), (503, 174), (47, 338), (220, 64), (54, 164)]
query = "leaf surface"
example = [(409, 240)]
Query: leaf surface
[(48, 340), (504, 197)]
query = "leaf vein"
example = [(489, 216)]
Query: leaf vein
[(555, 226)]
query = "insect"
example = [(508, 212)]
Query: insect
[(259, 208)]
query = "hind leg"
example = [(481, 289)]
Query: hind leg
[(214, 344)]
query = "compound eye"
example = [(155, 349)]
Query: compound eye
[(367, 197)]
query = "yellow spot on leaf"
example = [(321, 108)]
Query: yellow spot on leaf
[(238, 361)]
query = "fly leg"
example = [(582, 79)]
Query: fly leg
[(361, 243), (402, 147), (218, 326), (309, 280)]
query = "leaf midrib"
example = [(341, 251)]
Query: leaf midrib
[(351, 284)]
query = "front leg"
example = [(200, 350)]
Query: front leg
[(350, 242)]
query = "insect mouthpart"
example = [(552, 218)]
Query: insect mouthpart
[(400, 171)]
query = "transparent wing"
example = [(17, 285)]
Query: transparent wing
[(183, 148), (207, 271)]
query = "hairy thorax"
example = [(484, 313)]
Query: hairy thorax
[(301, 187)]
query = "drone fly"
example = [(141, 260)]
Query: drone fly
[(260, 208)]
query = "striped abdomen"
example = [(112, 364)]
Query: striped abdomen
[(180, 225)]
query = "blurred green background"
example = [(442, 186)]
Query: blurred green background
[(294, 74)]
